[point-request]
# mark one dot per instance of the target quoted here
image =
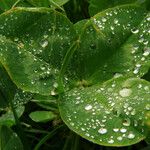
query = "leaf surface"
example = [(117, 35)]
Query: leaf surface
[(108, 114)]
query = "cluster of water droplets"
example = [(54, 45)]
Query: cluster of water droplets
[(109, 113), (141, 46)]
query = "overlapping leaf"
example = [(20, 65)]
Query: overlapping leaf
[(113, 43)]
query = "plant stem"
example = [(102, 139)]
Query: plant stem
[(45, 138)]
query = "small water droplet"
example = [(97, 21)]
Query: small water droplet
[(131, 136), (135, 31), (44, 43), (115, 129), (104, 19), (111, 141), (102, 131), (123, 130), (125, 92), (119, 138)]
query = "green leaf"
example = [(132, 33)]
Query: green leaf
[(96, 6), (111, 114), (32, 42), (106, 46), (9, 93), (8, 117), (9, 139), (110, 45), (42, 116)]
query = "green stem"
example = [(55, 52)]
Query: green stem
[(45, 138), (14, 5), (56, 5), (75, 145)]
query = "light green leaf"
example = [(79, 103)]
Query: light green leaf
[(111, 114), (42, 116), (9, 139)]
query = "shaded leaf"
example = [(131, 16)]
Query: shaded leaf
[(32, 63), (9, 139)]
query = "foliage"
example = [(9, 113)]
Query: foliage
[(67, 74)]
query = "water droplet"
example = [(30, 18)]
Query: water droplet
[(119, 138), (123, 130), (134, 31), (44, 44), (148, 19), (115, 129), (147, 107), (102, 131), (126, 122), (125, 92), (115, 21), (104, 19), (53, 93), (147, 52), (88, 107), (131, 136), (111, 141)]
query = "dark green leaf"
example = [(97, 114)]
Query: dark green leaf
[(9, 140)]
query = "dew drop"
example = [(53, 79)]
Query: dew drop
[(104, 19), (102, 131), (134, 31), (123, 130), (115, 129), (111, 141), (44, 44), (125, 92), (147, 107), (131, 136), (119, 138), (88, 107), (126, 122)]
